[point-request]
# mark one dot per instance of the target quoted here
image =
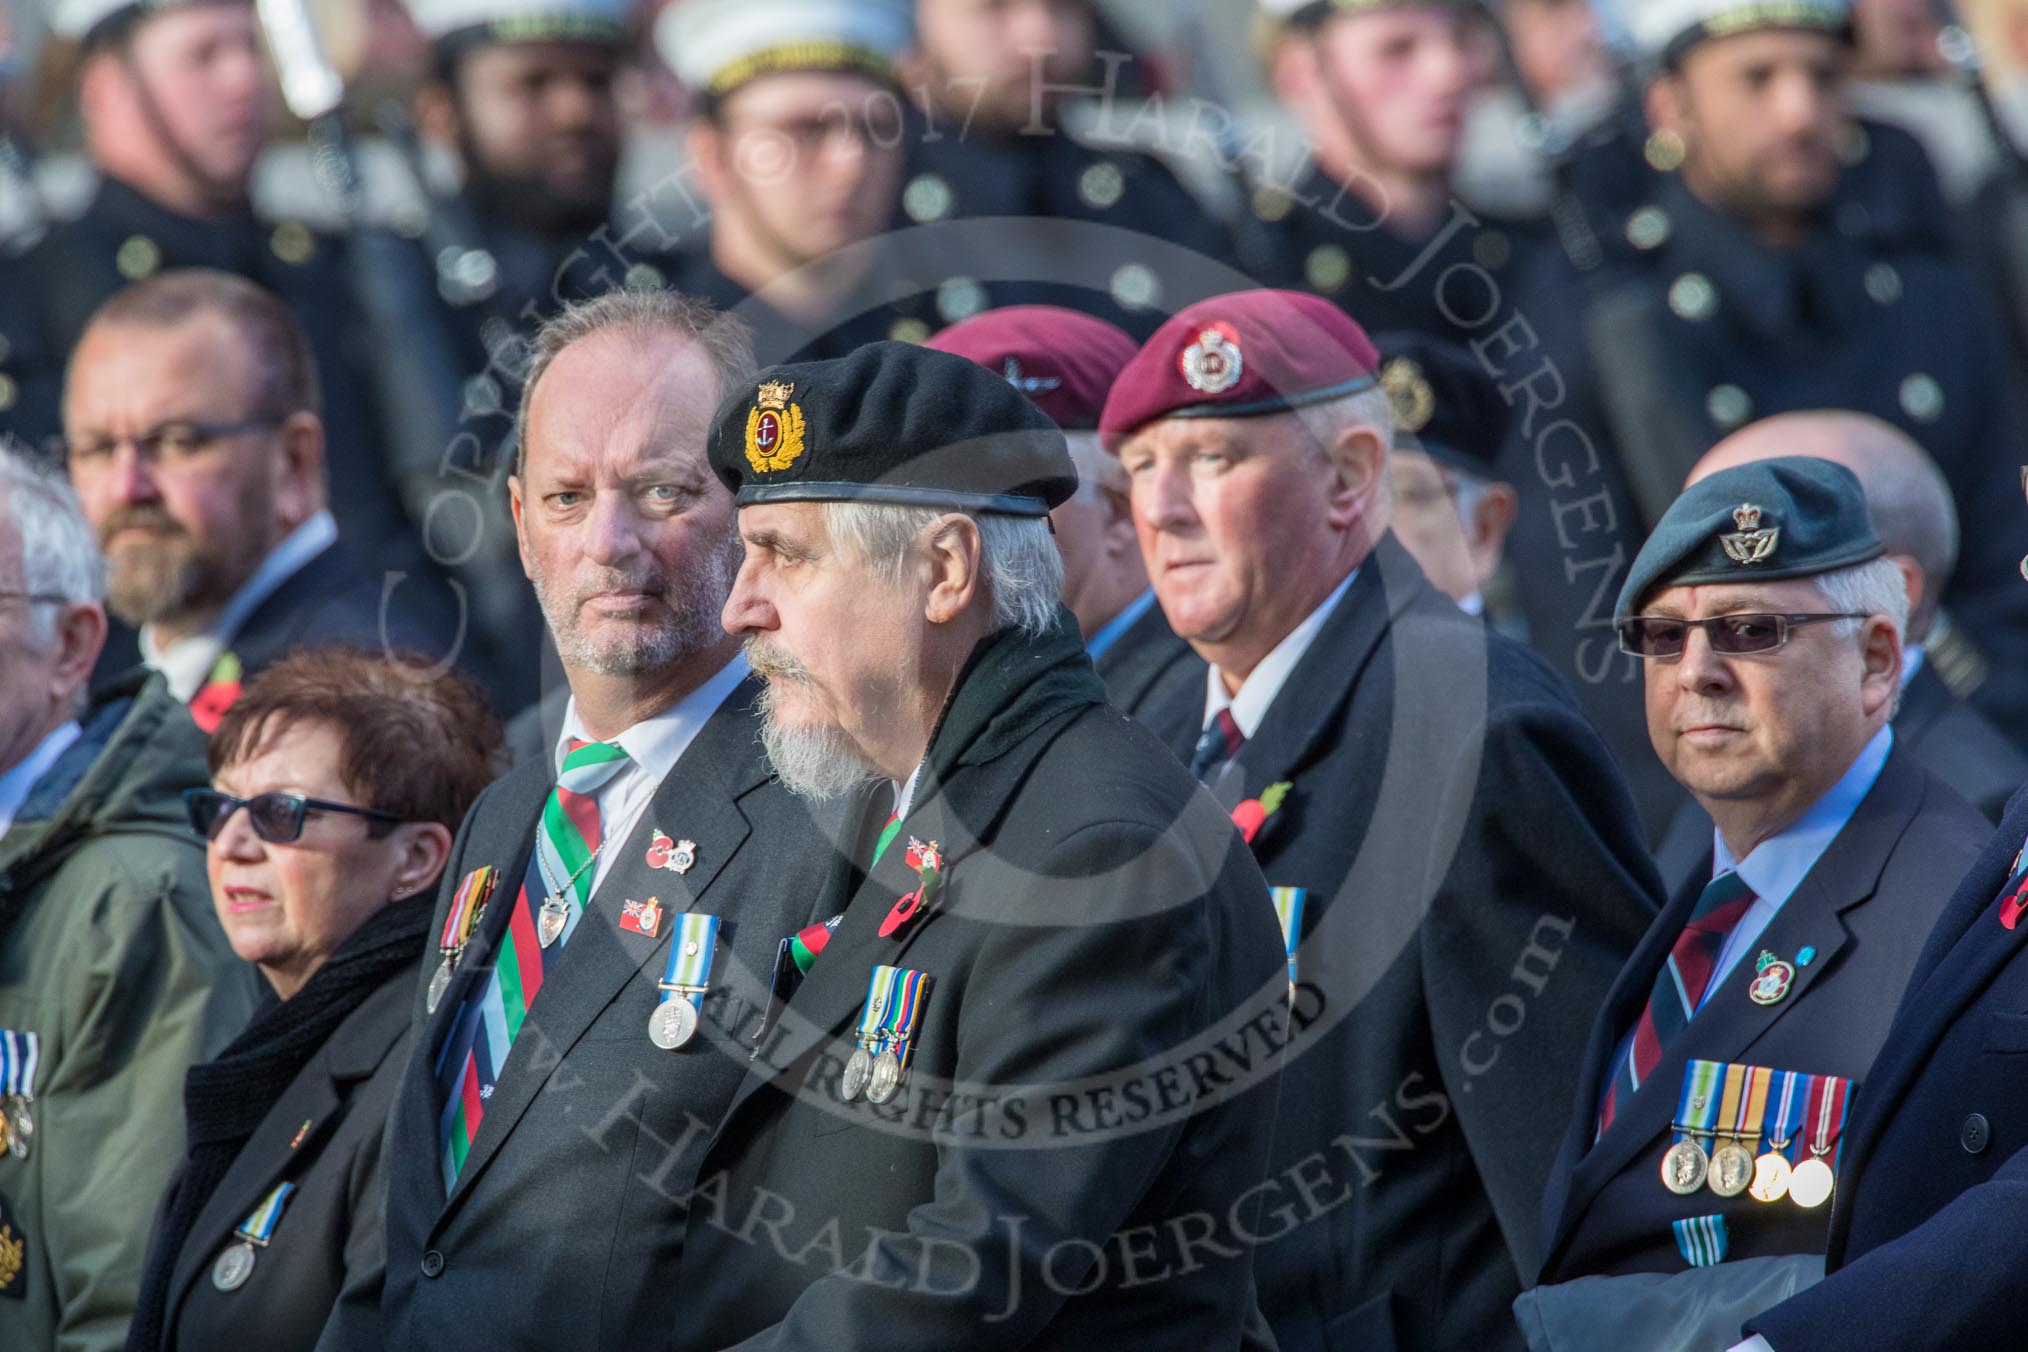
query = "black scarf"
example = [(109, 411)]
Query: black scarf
[(225, 1099)]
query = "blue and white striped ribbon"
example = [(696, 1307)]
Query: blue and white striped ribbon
[(20, 1057)]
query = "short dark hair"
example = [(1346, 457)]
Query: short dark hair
[(725, 338), (414, 743), (285, 364)]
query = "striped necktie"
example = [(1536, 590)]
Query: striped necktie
[(565, 845), (1679, 987), (1218, 743)]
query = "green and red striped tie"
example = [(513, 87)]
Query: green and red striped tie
[(487, 1023)]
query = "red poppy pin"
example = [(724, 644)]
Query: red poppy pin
[(1251, 815), (928, 863)]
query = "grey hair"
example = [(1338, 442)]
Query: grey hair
[(59, 553), (725, 338), (1872, 588), (1024, 571), (1371, 407)]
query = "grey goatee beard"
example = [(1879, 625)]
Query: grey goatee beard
[(693, 624), (820, 762)]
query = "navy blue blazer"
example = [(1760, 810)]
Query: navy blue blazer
[(1865, 906), (1929, 1227)]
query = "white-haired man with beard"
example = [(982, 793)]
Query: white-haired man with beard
[(606, 900), (990, 1116)]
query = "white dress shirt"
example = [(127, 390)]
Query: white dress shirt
[(19, 781), (1250, 703), (1776, 866), (187, 661), (653, 747)]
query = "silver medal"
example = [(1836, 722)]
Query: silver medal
[(233, 1267), (19, 1126), (440, 981), (549, 924), (673, 1023), (858, 1069), (886, 1078), (1684, 1167)]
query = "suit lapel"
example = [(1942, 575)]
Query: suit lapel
[(697, 800), (1730, 1022), (1968, 946), (1295, 731)]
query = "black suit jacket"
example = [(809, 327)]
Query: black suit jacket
[(1865, 907), (330, 600), (1095, 1067), (563, 1230), (1929, 1228), (1476, 878), (324, 1134), (1147, 664), (1958, 744)]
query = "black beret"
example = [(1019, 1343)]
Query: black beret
[(1795, 516), (1445, 405), (892, 423)]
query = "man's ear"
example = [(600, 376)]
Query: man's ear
[(300, 488), (80, 636), (517, 507), (1355, 473), (1880, 657), (954, 552), (1486, 533), (1913, 578), (436, 113), (705, 146)]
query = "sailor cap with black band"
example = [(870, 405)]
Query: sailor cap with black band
[(457, 24), (1793, 516), (714, 46), (892, 423), (94, 23), (1663, 30)]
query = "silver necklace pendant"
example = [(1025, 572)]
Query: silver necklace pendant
[(549, 924)]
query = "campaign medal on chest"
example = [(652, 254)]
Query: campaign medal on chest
[(685, 979), (20, 1060), (236, 1263), (468, 907), (888, 1024)]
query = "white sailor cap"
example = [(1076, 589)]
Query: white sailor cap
[(1665, 29), (86, 21), (716, 45), (521, 20)]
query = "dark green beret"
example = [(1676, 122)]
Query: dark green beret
[(891, 423), (1795, 516)]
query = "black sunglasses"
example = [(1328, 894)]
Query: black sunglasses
[(1728, 635), (276, 818)]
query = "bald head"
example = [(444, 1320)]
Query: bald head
[(1906, 494)]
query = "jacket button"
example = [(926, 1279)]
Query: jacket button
[(433, 1263), (1976, 1135)]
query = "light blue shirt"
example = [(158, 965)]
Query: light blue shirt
[(19, 781), (1776, 867), (1109, 632)]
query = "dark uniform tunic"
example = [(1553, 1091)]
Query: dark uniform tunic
[(1689, 328), (1319, 236), (1148, 246)]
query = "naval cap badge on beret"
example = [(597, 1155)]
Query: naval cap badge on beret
[(1245, 354), (891, 423), (1794, 516)]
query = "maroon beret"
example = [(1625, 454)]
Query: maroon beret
[(1062, 360), (1239, 356)]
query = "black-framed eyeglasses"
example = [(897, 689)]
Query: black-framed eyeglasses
[(276, 818), (1728, 635), (171, 441)]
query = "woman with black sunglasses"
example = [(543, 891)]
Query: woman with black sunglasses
[(337, 781)]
